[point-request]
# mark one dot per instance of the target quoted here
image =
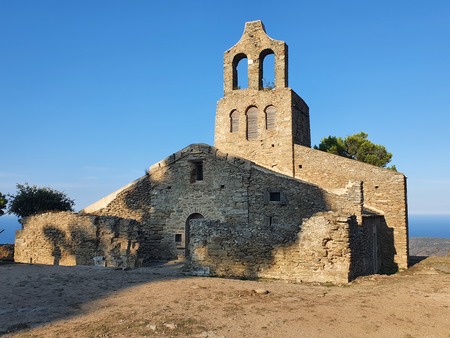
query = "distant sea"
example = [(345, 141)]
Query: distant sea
[(419, 226), (429, 226)]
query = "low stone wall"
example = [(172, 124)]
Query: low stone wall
[(318, 250), (65, 238)]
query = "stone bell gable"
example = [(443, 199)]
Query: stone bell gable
[(258, 123)]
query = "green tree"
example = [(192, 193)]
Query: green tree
[(332, 144), (31, 200), (357, 147), (3, 202)]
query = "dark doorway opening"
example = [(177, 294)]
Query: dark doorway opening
[(187, 231)]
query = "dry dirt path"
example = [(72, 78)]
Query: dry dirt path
[(54, 301)]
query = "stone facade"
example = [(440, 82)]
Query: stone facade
[(261, 203), (384, 195), (64, 238), (320, 249), (232, 190), (285, 147)]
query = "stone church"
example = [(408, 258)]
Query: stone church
[(260, 203)]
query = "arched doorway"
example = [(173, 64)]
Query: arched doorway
[(187, 230)]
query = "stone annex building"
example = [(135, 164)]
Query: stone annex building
[(260, 203)]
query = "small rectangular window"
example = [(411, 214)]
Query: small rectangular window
[(178, 238), (275, 196), (196, 171)]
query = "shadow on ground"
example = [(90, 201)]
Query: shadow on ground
[(33, 294), (413, 260)]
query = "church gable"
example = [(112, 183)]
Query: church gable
[(202, 183)]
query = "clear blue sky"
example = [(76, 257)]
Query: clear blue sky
[(94, 92)]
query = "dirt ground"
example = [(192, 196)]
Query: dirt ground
[(159, 301)]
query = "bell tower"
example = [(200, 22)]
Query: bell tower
[(257, 123)]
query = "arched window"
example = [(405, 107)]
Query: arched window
[(240, 71), (267, 69), (252, 123), (270, 117), (234, 121)]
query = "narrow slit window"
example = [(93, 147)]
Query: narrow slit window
[(199, 171)]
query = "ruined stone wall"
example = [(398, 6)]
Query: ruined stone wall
[(316, 250), (231, 190), (65, 238), (384, 192), (163, 200)]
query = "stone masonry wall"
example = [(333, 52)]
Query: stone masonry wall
[(65, 238), (299, 200), (317, 250), (231, 190), (384, 193), (163, 200), (254, 44), (273, 147)]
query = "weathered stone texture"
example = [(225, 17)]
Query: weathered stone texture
[(164, 199), (384, 193), (254, 45), (65, 238), (316, 250), (232, 190), (272, 147)]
